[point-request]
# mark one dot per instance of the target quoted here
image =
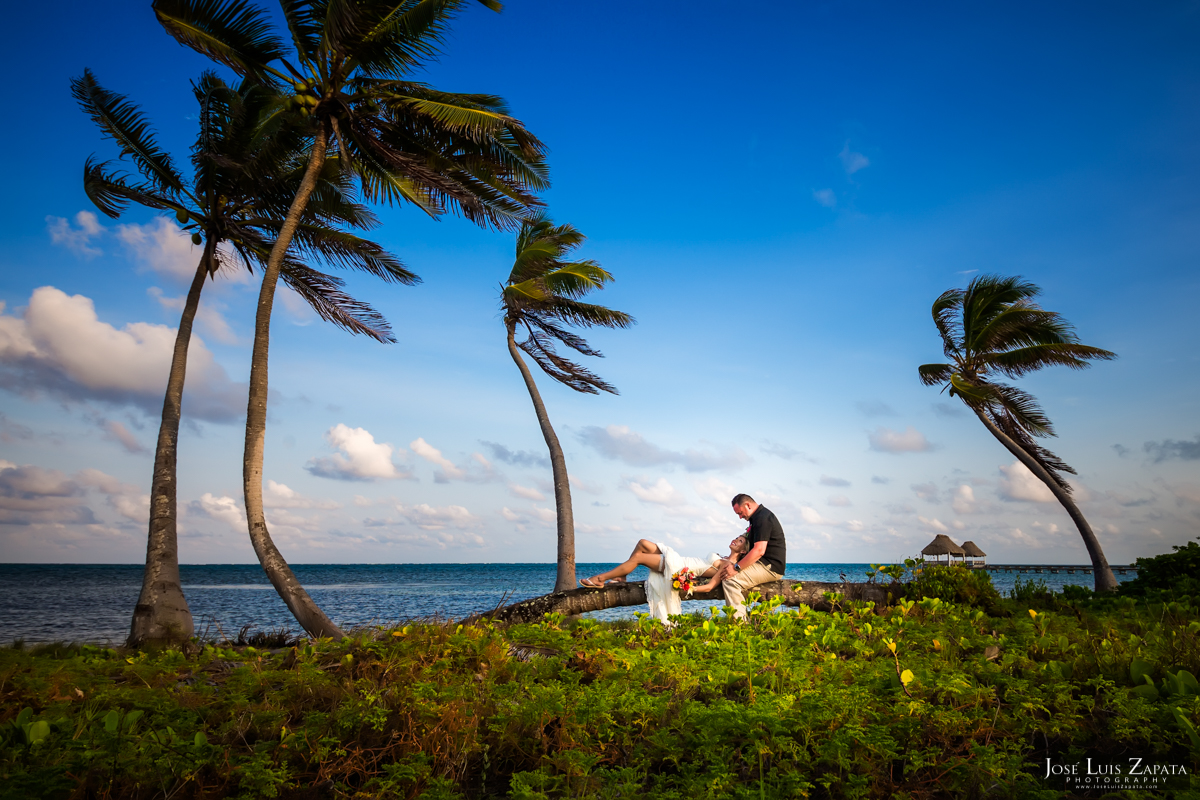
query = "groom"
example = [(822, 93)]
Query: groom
[(766, 561)]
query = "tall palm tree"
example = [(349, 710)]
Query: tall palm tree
[(994, 327), (244, 179), (349, 71), (541, 296)]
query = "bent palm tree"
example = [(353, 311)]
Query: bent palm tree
[(995, 327), (542, 295), (244, 178), (404, 140)]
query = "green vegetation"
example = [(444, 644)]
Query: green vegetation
[(930, 698), (1167, 576)]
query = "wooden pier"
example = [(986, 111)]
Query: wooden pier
[(1070, 569)]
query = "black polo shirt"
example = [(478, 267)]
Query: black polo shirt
[(765, 527)]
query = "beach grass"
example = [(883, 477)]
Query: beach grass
[(930, 698)]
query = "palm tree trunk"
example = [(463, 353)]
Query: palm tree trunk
[(562, 485), (1105, 580), (162, 612), (307, 612), (578, 601)]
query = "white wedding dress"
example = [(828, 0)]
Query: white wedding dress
[(662, 599)]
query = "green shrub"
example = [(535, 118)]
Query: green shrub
[(1174, 574), (1073, 592), (957, 584)]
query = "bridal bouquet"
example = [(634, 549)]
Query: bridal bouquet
[(683, 581)]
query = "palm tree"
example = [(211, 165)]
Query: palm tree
[(541, 296), (995, 327), (405, 142), (244, 178)]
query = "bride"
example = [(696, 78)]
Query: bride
[(663, 562)]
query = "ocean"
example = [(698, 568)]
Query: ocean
[(93, 602)]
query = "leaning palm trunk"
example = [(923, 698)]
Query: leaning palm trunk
[(162, 612), (565, 578), (816, 596), (306, 611), (1105, 580)]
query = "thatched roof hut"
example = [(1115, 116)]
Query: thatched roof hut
[(943, 545), (972, 550)]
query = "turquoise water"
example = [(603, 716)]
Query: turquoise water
[(93, 603)]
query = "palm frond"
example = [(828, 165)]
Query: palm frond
[(122, 121), (540, 348), (402, 35), (1022, 407), (325, 295), (935, 374), (230, 32), (303, 27), (110, 192), (347, 251), (576, 279), (948, 322), (1023, 360), (588, 315), (571, 340), (1053, 465)]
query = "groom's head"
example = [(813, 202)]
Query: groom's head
[(744, 506)]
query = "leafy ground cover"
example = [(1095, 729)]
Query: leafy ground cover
[(930, 697)]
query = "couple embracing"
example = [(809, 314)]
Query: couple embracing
[(758, 556)]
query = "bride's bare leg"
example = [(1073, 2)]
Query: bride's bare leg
[(645, 554)]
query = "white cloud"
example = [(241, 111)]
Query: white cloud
[(547, 516), (662, 493), (964, 499), (935, 524), (1019, 483), (852, 161), (436, 518), (525, 492), (839, 500), (585, 486), (126, 499), (1049, 527), (1023, 539), (208, 315), (280, 495), (926, 491), (715, 489), (59, 346), (116, 432), (619, 443), (31, 495), (825, 197), (223, 509), (958, 525), (163, 247), (886, 440), (77, 239), (448, 471), (361, 457), (812, 517)]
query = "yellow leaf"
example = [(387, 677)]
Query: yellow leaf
[(1032, 614), (891, 646), (906, 677), (937, 645), (397, 633)]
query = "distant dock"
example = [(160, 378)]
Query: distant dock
[(1070, 569)]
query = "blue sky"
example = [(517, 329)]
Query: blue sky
[(780, 195)]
